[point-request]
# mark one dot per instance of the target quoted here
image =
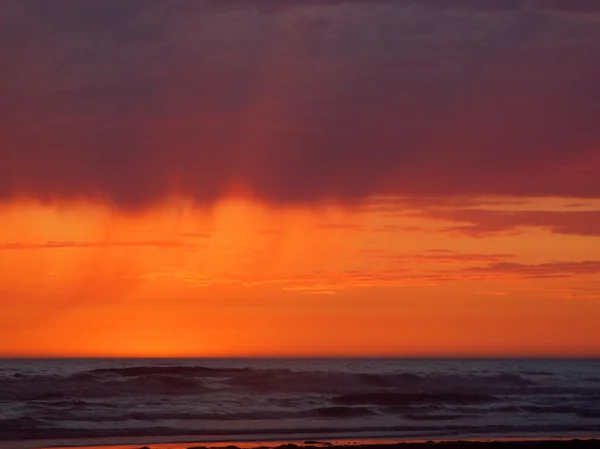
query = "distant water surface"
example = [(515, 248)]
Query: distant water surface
[(283, 398)]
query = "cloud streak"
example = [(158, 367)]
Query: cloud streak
[(441, 256), (452, 267), (169, 244), (550, 270), (133, 102), (482, 222)]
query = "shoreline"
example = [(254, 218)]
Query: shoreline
[(471, 442)]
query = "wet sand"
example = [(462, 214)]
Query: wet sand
[(446, 444), (430, 444), (500, 443)]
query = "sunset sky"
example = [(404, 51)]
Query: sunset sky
[(299, 177)]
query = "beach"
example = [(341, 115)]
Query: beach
[(506, 443)]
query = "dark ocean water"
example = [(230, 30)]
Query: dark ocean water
[(277, 398)]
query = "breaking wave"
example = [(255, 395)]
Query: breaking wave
[(404, 399), (193, 380)]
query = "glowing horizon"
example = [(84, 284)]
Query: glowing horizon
[(249, 280)]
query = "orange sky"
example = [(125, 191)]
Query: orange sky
[(301, 178), (381, 278)]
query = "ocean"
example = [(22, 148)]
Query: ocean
[(283, 399)]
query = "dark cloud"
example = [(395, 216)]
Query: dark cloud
[(133, 101)]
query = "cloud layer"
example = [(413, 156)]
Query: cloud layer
[(134, 101), (482, 222)]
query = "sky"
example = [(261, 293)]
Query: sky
[(300, 178)]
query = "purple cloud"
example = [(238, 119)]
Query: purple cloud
[(133, 101)]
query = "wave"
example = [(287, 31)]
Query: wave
[(44, 388), (22, 423), (584, 412), (64, 432), (339, 382), (194, 371), (591, 379), (97, 416), (194, 380), (342, 412), (314, 381), (537, 373), (163, 384), (427, 417), (402, 399)]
